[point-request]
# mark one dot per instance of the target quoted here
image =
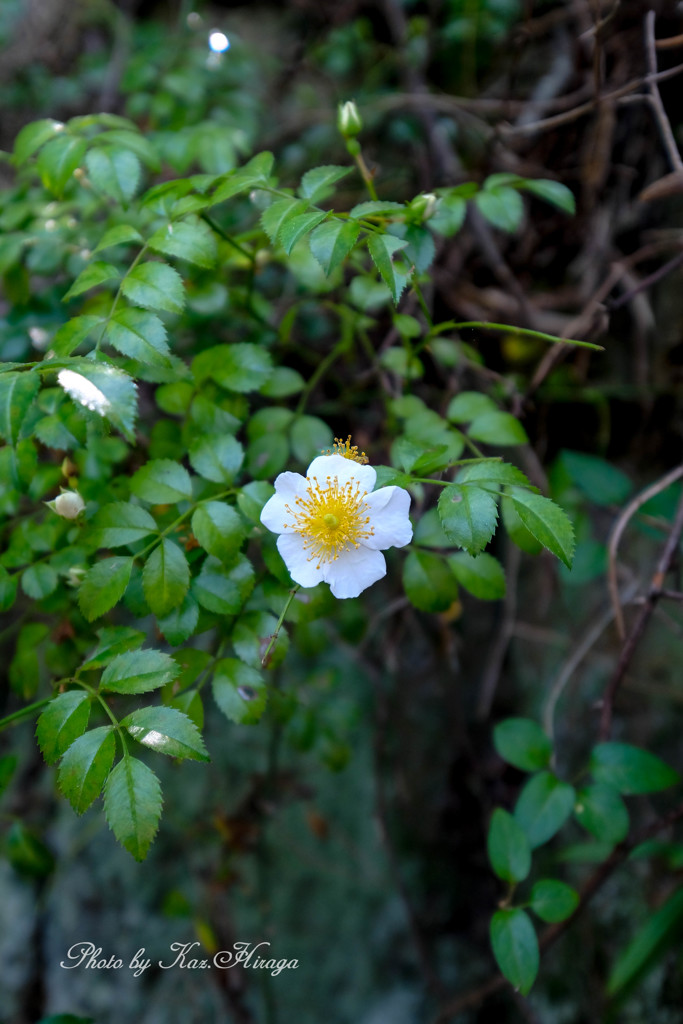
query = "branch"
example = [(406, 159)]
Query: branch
[(655, 99)]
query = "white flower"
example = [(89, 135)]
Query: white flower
[(83, 391), (333, 526)]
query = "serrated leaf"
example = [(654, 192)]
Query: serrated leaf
[(553, 192), (39, 581), (122, 234), (113, 640), (468, 515), (139, 671), (134, 141), (71, 334), (8, 589), (121, 523), (278, 213), (499, 428), (241, 367), (492, 474), (162, 482), (191, 240), (518, 532), (61, 722), (140, 335), (508, 847), (155, 286), (85, 767), (382, 249), (217, 458), (376, 208), (94, 274), (515, 947), (103, 586), (553, 901), (522, 743), (297, 227), (602, 812), (168, 731), (332, 241), (58, 160), (132, 805), (315, 184), (543, 806), (630, 770), (165, 578), (17, 391), (34, 135), (482, 575), (113, 393), (545, 521), (222, 589), (114, 171), (239, 691), (181, 622), (218, 528), (428, 582)]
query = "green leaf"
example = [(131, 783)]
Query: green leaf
[(482, 576), (332, 242), (600, 481), (309, 436), (375, 208), (168, 731), (121, 523), (103, 586), (114, 171), (662, 930), (62, 721), (382, 249), (113, 640), (315, 184), (297, 227), (134, 141), (629, 769), (468, 515), (165, 578), (217, 458), (191, 240), (71, 334), (428, 582), (85, 767), (181, 622), (518, 532), (240, 367), (33, 136), (543, 806), (501, 207), (602, 812), (515, 947), (17, 391), (132, 805), (155, 286), (39, 581), (27, 853), (8, 589), (94, 274), (450, 215), (8, 766), (224, 589), (58, 160), (547, 522), (492, 474), (553, 901), (553, 192), (239, 691), (278, 213), (522, 743), (466, 406), (117, 398), (140, 335), (162, 482), (499, 428), (282, 383), (218, 528), (508, 847), (139, 671), (122, 234)]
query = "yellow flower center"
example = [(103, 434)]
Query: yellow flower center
[(330, 518), (346, 450)]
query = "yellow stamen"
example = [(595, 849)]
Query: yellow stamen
[(330, 518), (346, 450)]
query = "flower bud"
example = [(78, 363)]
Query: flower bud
[(69, 504), (348, 120), (424, 205)]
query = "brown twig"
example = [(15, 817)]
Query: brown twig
[(646, 282), (656, 586), (655, 99), (617, 533)]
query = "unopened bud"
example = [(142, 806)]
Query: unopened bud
[(69, 504), (349, 120), (424, 205)]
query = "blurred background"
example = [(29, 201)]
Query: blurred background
[(353, 838)]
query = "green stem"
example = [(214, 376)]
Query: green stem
[(452, 325), (27, 712), (320, 372), (181, 518), (115, 303), (366, 175), (421, 300), (276, 633), (228, 238)]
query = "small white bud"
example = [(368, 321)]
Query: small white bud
[(349, 120), (69, 504)]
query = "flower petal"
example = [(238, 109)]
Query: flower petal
[(344, 470), (288, 487), (302, 569), (389, 518), (353, 571)]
